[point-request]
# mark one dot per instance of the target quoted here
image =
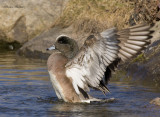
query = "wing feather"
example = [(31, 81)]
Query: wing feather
[(136, 39), (95, 59), (101, 54)]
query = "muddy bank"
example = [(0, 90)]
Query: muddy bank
[(144, 69), (147, 71)]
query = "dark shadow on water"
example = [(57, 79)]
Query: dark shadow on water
[(51, 100)]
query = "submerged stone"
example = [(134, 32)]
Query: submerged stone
[(9, 46), (155, 101)]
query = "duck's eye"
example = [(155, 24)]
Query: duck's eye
[(63, 40)]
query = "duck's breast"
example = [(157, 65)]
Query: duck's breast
[(61, 84)]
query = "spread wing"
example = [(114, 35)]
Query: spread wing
[(133, 40), (99, 55)]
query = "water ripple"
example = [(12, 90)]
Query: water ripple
[(25, 90)]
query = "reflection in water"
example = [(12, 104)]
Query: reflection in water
[(25, 90), (17, 67), (80, 110)]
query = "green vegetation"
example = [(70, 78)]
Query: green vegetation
[(93, 16), (139, 58), (120, 75)]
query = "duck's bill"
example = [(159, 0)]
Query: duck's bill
[(51, 48)]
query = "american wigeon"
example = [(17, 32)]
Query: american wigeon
[(73, 72)]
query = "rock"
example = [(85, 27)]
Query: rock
[(156, 34), (7, 46), (155, 101), (36, 48), (144, 69), (21, 20)]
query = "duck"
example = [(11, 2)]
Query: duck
[(73, 71)]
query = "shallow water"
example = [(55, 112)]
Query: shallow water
[(25, 90)]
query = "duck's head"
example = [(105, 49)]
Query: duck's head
[(66, 46)]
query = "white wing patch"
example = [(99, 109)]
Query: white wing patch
[(88, 67), (77, 72)]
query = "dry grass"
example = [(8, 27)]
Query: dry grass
[(92, 16), (147, 10)]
